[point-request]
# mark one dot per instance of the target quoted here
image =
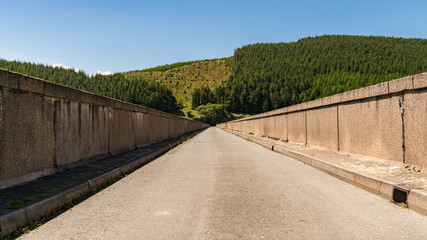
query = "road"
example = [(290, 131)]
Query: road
[(219, 186)]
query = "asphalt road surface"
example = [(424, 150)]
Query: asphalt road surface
[(219, 186)]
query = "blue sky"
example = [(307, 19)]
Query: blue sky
[(125, 35)]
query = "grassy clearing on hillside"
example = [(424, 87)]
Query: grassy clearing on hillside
[(182, 78)]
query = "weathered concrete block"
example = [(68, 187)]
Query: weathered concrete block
[(121, 131), (345, 175), (142, 124), (400, 84), (126, 106), (31, 84), (360, 93), (249, 126), (368, 183), (159, 128), (81, 131), (101, 101), (325, 101), (26, 134), (54, 90), (323, 166), (173, 128), (415, 115), (335, 98), (8, 79), (347, 96), (281, 130), (322, 127), (417, 200), (303, 107), (89, 98), (73, 94), (420, 80), (44, 207), (12, 221), (371, 128), (270, 124), (296, 127), (262, 127), (378, 89), (386, 190), (116, 104), (76, 192)]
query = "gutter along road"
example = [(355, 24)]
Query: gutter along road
[(220, 186)]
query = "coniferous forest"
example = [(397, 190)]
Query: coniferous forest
[(264, 76), (271, 76)]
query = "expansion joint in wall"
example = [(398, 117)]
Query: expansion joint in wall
[(338, 129), (305, 122), (402, 121), (1, 104)]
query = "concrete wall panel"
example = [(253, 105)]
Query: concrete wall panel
[(143, 129), (257, 126), (81, 131), (160, 129), (372, 128), (251, 126), (121, 130), (296, 127), (26, 133), (281, 130), (270, 126), (322, 127), (262, 127), (416, 128)]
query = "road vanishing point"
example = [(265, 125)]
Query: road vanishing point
[(220, 186)]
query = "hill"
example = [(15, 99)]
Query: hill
[(268, 76), (182, 78)]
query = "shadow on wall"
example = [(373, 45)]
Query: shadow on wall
[(44, 126)]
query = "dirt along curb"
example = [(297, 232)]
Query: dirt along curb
[(11, 222), (413, 198)]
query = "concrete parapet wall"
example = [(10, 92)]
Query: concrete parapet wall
[(297, 131), (386, 120), (322, 127), (45, 126), (372, 127)]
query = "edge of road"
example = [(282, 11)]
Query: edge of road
[(12, 222), (416, 198)]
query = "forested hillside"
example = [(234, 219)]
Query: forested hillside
[(184, 77), (270, 76), (138, 91)]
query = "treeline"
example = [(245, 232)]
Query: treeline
[(138, 91), (270, 76), (204, 95), (163, 68)]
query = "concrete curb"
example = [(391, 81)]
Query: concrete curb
[(22, 217), (417, 198)]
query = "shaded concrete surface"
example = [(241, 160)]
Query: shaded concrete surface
[(220, 186)]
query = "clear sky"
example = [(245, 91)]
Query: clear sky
[(125, 35)]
